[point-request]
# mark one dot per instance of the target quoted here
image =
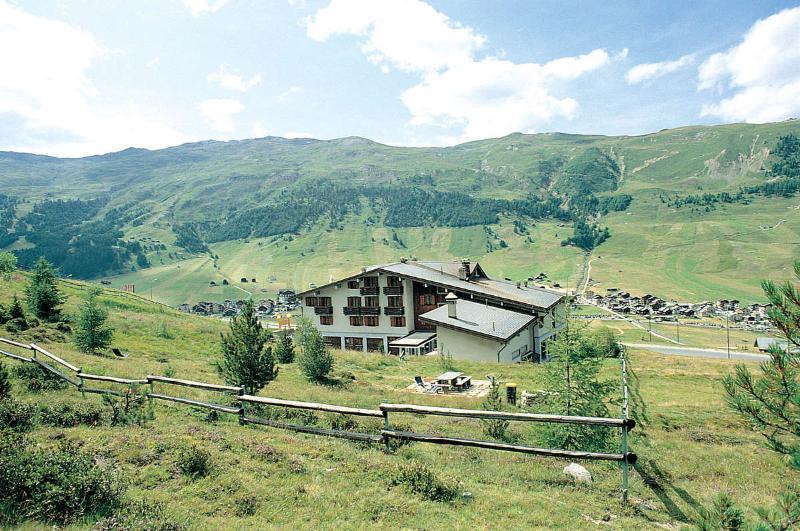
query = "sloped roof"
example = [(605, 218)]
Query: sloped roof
[(481, 319), (446, 274)]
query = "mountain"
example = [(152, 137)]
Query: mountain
[(302, 210)]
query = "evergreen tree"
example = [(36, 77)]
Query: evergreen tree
[(771, 401), (92, 334), (245, 360), (4, 317), (284, 350), (8, 264), (15, 311), (494, 428), (316, 360), (5, 382), (572, 377), (44, 297)]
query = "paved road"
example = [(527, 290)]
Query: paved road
[(698, 352)]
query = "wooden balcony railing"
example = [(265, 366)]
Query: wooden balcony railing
[(323, 310), (370, 291), (393, 290), (394, 310)]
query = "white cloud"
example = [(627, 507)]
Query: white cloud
[(493, 97), (152, 63), (220, 113), (646, 71), (259, 131), (227, 79), (482, 97), (762, 72), (407, 34), (288, 92), (201, 7), (45, 85)]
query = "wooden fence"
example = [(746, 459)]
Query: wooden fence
[(241, 401)]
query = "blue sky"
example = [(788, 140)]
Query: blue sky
[(92, 76)]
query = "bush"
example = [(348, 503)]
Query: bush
[(495, 428), (37, 379), (140, 514), (59, 485), (127, 409), (68, 415), (5, 382), (194, 462), (17, 416), (420, 480), (316, 360)]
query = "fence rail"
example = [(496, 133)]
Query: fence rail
[(624, 424)]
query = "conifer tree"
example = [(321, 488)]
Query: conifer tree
[(8, 264), (246, 360), (15, 311), (92, 334), (284, 350), (42, 292), (316, 360)]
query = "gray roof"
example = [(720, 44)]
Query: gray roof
[(477, 318), (437, 273), (446, 274), (764, 343), (413, 339)]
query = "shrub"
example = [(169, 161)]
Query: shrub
[(194, 462), (494, 428), (4, 317), (5, 382), (127, 409), (68, 415), (16, 416), (59, 485), (246, 506), (420, 480), (316, 360), (37, 379)]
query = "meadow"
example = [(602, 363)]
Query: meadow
[(690, 445)]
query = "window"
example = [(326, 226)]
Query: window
[(332, 341), (324, 301), (427, 300), (397, 321), (356, 320), (354, 302), (354, 343), (371, 302), (393, 281), (311, 301), (352, 284), (375, 344), (371, 320), (370, 282), (326, 319), (395, 301)]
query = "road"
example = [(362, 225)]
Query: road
[(694, 352)]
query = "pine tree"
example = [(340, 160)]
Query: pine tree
[(15, 311), (44, 298), (92, 334), (284, 350), (316, 360), (245, 360), (5, 382), (771, 401)]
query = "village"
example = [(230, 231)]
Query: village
[(286, 302)]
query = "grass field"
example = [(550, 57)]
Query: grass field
[(690, 445)]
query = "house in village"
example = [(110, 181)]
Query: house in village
[(410, 306)]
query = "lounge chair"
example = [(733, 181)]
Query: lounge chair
[(427, 388)]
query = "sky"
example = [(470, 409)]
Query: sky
[(86, 77)]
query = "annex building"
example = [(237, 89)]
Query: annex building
[(414, 307)]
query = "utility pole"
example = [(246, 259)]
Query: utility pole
[(678, 328), (650, 327), (728, 334)]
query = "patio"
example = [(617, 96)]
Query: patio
[(478, 389)]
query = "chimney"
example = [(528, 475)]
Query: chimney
[(451, 301), (463, 271)]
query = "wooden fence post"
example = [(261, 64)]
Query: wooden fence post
[(81, 384), (386, 426), (241, 407), (625, 464)]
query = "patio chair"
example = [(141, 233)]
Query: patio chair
[(427, 388)]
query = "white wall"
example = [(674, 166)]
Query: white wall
[(462, 345)]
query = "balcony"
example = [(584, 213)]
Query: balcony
[(352, 310), (394, 310), (361, 310), (323, 310), (370, 291), (393, 290)]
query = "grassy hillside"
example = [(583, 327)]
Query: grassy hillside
[(681, 253), (690, 445)]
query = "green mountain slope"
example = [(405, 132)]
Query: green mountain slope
[(301, 210)]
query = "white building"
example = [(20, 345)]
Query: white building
[(390, 307)]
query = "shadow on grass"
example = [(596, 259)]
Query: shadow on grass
[(659, 482)]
